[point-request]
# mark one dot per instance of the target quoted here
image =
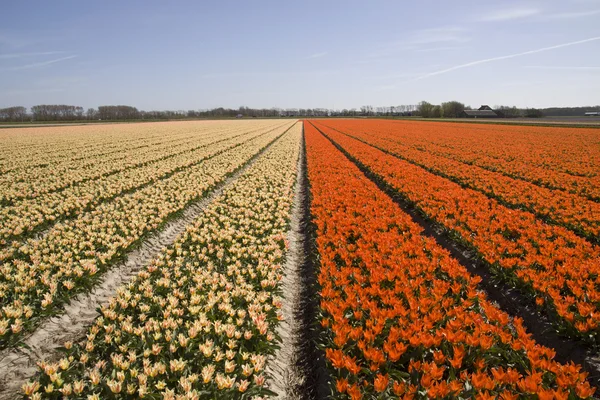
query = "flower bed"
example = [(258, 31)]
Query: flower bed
[(401, 318), (570, 210), (558, 268), (45, 273), (29, 215), (199, 322)]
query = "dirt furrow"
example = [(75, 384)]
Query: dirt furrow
[(286, 378)]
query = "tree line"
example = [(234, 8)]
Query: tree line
[(455, 109), (450, 109), (63, 112), (53, 112), (568, 111)]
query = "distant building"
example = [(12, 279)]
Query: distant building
[(483, 112), (592, 114), (239, 116)]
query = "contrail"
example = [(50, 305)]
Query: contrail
[(41, 64), (21, 55), (487, 60)]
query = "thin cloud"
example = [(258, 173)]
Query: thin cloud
[(569, 15), (522, 83), (317, 55), (488, 60), (562, 68), (41, 64), (233, 74), (451, 34), (510, 14), (261, 74), (399, 75), (23, 55), (446, 48), (382, 88), (68, 81), (422, 39), (533, 14)]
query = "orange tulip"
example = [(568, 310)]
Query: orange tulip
[(395, 301)]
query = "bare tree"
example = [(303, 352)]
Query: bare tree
[(13, 114)]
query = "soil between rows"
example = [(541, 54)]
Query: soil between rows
[(286, 378), (311, 359)]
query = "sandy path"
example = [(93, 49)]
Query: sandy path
[(286, 377), (17, 365)]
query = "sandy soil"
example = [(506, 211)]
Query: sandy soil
[(286, 378)]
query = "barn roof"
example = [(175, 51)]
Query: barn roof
[(481, 113)]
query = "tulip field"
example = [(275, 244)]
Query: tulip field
[(401, 236), (403, 318)]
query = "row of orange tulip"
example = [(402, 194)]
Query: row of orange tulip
[(563, 158), (552, 263), (570, 210), (401, 318)]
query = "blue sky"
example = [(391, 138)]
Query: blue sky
[(334, 54)]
